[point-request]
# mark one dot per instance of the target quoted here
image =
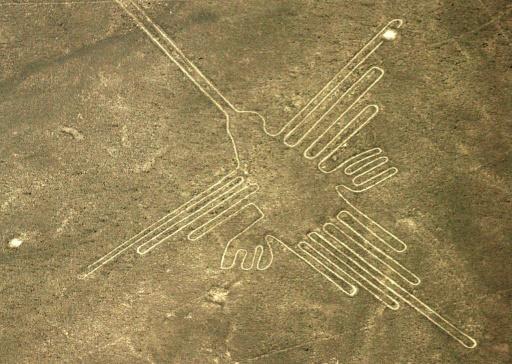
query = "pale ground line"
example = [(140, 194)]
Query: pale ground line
[(184, 69), (378, 292), (372, 180), (283, 350), (258, 249), (329, 88), (185, 65), (398, 291), (497, 18), (316, 122), (224, 197), (370, 271), (380, 255), (349, 293), (392, 286), (197, 200), (494, 20)]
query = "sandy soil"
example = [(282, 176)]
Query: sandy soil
[(100, 135)]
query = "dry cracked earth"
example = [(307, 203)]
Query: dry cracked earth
[(100, 135)]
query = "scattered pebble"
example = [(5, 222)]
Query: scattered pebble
[(389, 34), (218, 295), (113, 152), (409, 222), (15, 243), (72, 131)]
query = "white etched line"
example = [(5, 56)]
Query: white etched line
[(224, 189), (195, 210), (171, 50), (303, 128), (374, 109), (330, 107), (363, 156), (229, 196), (332, 133), (369, 249), (434, 317), (160, 38), (368, 49), (364, 269), (358, 257), (366, 115), (123, 247), (193, 213), (357, 272), (363, 167), (341, 283), (354, 160), (164, 42), (418, 305), (379, 232), (220, 217), (329, 268), (371, 181), (327, 139), (258, 251), (366, 165), (187, 67)]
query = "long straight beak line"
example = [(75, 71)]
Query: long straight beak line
[(171, 50)]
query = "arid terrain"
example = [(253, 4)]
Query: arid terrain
[(101, 134)]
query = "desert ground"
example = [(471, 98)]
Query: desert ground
[(102, 134)]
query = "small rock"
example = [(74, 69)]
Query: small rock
[(297, 102), (72, 131), (113, 152), (389, 34), (218, 295), (409, 222), (15, 243)]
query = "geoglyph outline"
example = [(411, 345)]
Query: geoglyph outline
[(331, 244)]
